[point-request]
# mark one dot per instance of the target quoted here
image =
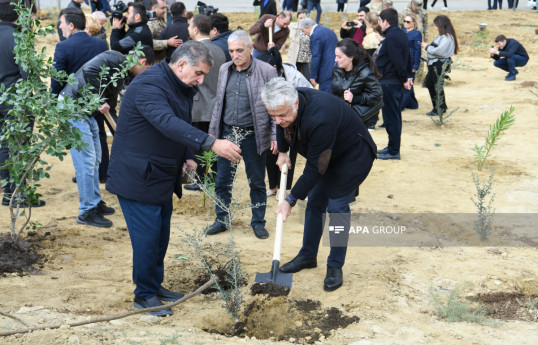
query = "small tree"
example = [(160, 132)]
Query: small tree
[(484, 207), (37, 121), (505, 121), (442, 114)]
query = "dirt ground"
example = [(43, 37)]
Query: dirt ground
[(386, 293)]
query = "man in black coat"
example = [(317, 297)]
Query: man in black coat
[(339, 154), (152, 144), (179, 27), (138, 31), (508, 55), (395, 66), (220, 32)]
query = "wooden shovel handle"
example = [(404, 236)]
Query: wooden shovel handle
[(279, 220)]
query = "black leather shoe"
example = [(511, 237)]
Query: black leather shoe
[(150, 303), (103, 209), (193, 187), (299, 263), (432, 113), (169, 296), (74, 179), (260, 232), (385, 150), (215, 228), (333, 279)]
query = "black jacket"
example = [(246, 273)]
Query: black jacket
[(362, 83), (270, 8), (153, 137), (349, 33), (334, 141), (221, 40), (393, 61), (10, 71), (511, 48), (179, 28), (125, 41), (89, 74)]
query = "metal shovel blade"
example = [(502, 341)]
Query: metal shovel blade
[(275, 277)]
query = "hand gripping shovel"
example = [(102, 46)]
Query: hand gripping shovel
[(275, 276)]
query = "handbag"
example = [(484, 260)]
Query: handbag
[(366, 112)]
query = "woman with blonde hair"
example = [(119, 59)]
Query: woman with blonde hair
[(414, 36), (373, 33)]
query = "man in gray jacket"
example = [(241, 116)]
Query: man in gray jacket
[(204, 100), (239, 107)]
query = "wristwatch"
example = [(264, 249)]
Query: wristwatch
[(291, 202)]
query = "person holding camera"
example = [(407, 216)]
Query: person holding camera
[(137, 19), (356, 28), (508, 55)]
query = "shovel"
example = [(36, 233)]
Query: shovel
[(275, 276)]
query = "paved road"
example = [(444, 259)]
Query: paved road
[(327, 5)]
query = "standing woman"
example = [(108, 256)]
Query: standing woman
[(299, 52), (414, 36), (439, 53), (373, 37)]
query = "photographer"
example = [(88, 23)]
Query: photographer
[(355, 29), (138, 31)]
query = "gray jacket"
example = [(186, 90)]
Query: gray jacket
[(264, 126), (204, 100), (441, 49)]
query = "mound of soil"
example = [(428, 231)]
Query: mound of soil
[(302, 321), (269, 289), (509, 306), (223, 277), (20, 257)]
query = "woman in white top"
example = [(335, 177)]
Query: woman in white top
[(439, 53)]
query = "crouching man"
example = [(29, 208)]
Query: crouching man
[(339, 154)]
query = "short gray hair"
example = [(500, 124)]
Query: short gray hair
[(193, 52), (277, 92), (306, 23), (240, 35)]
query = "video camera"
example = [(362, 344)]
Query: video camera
[(118, 9), (207, 10)]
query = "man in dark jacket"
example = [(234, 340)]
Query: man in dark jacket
[(86, 162), (508, 55), (238, 107), (219, 33), (357, 31), (339, 154), (72, 4), (178, 29), (78, 48), (395, 66), (10, 72), (138, 31), (280, 32), (152, 144), (322, 44)]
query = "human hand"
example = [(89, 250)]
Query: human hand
[(226, 149), (270, 45), (118, 23), (104, 109), (423, 45), (282, 159), (348, 96), (313, 82), (189, 165), (268, 23), (408, 84), (284, 209), (274, 147), (174, 42)]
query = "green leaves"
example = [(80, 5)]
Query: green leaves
[(505, 121)]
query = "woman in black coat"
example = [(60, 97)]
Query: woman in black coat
[(355, 77)]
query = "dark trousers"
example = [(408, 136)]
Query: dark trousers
[(318, 204), (317, 7), (392, 115), (340, 7), (273, 172), (149, 229), (105, 156), (436, 86), (444, 2), (304, 68), (509, 64), (325, 85), (255, 169)]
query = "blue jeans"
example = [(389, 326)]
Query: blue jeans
[(149, 229), (392, 115), (256, 53), (86, 164), (319, 203), (312, 5), (255, 169), (509, 64)]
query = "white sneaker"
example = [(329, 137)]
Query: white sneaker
[(445, 8)]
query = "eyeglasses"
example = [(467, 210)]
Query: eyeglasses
[(408, 21)]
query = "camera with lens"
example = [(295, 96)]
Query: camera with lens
[(118, 10), (204, 9), (351, 24), (151, 15)]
